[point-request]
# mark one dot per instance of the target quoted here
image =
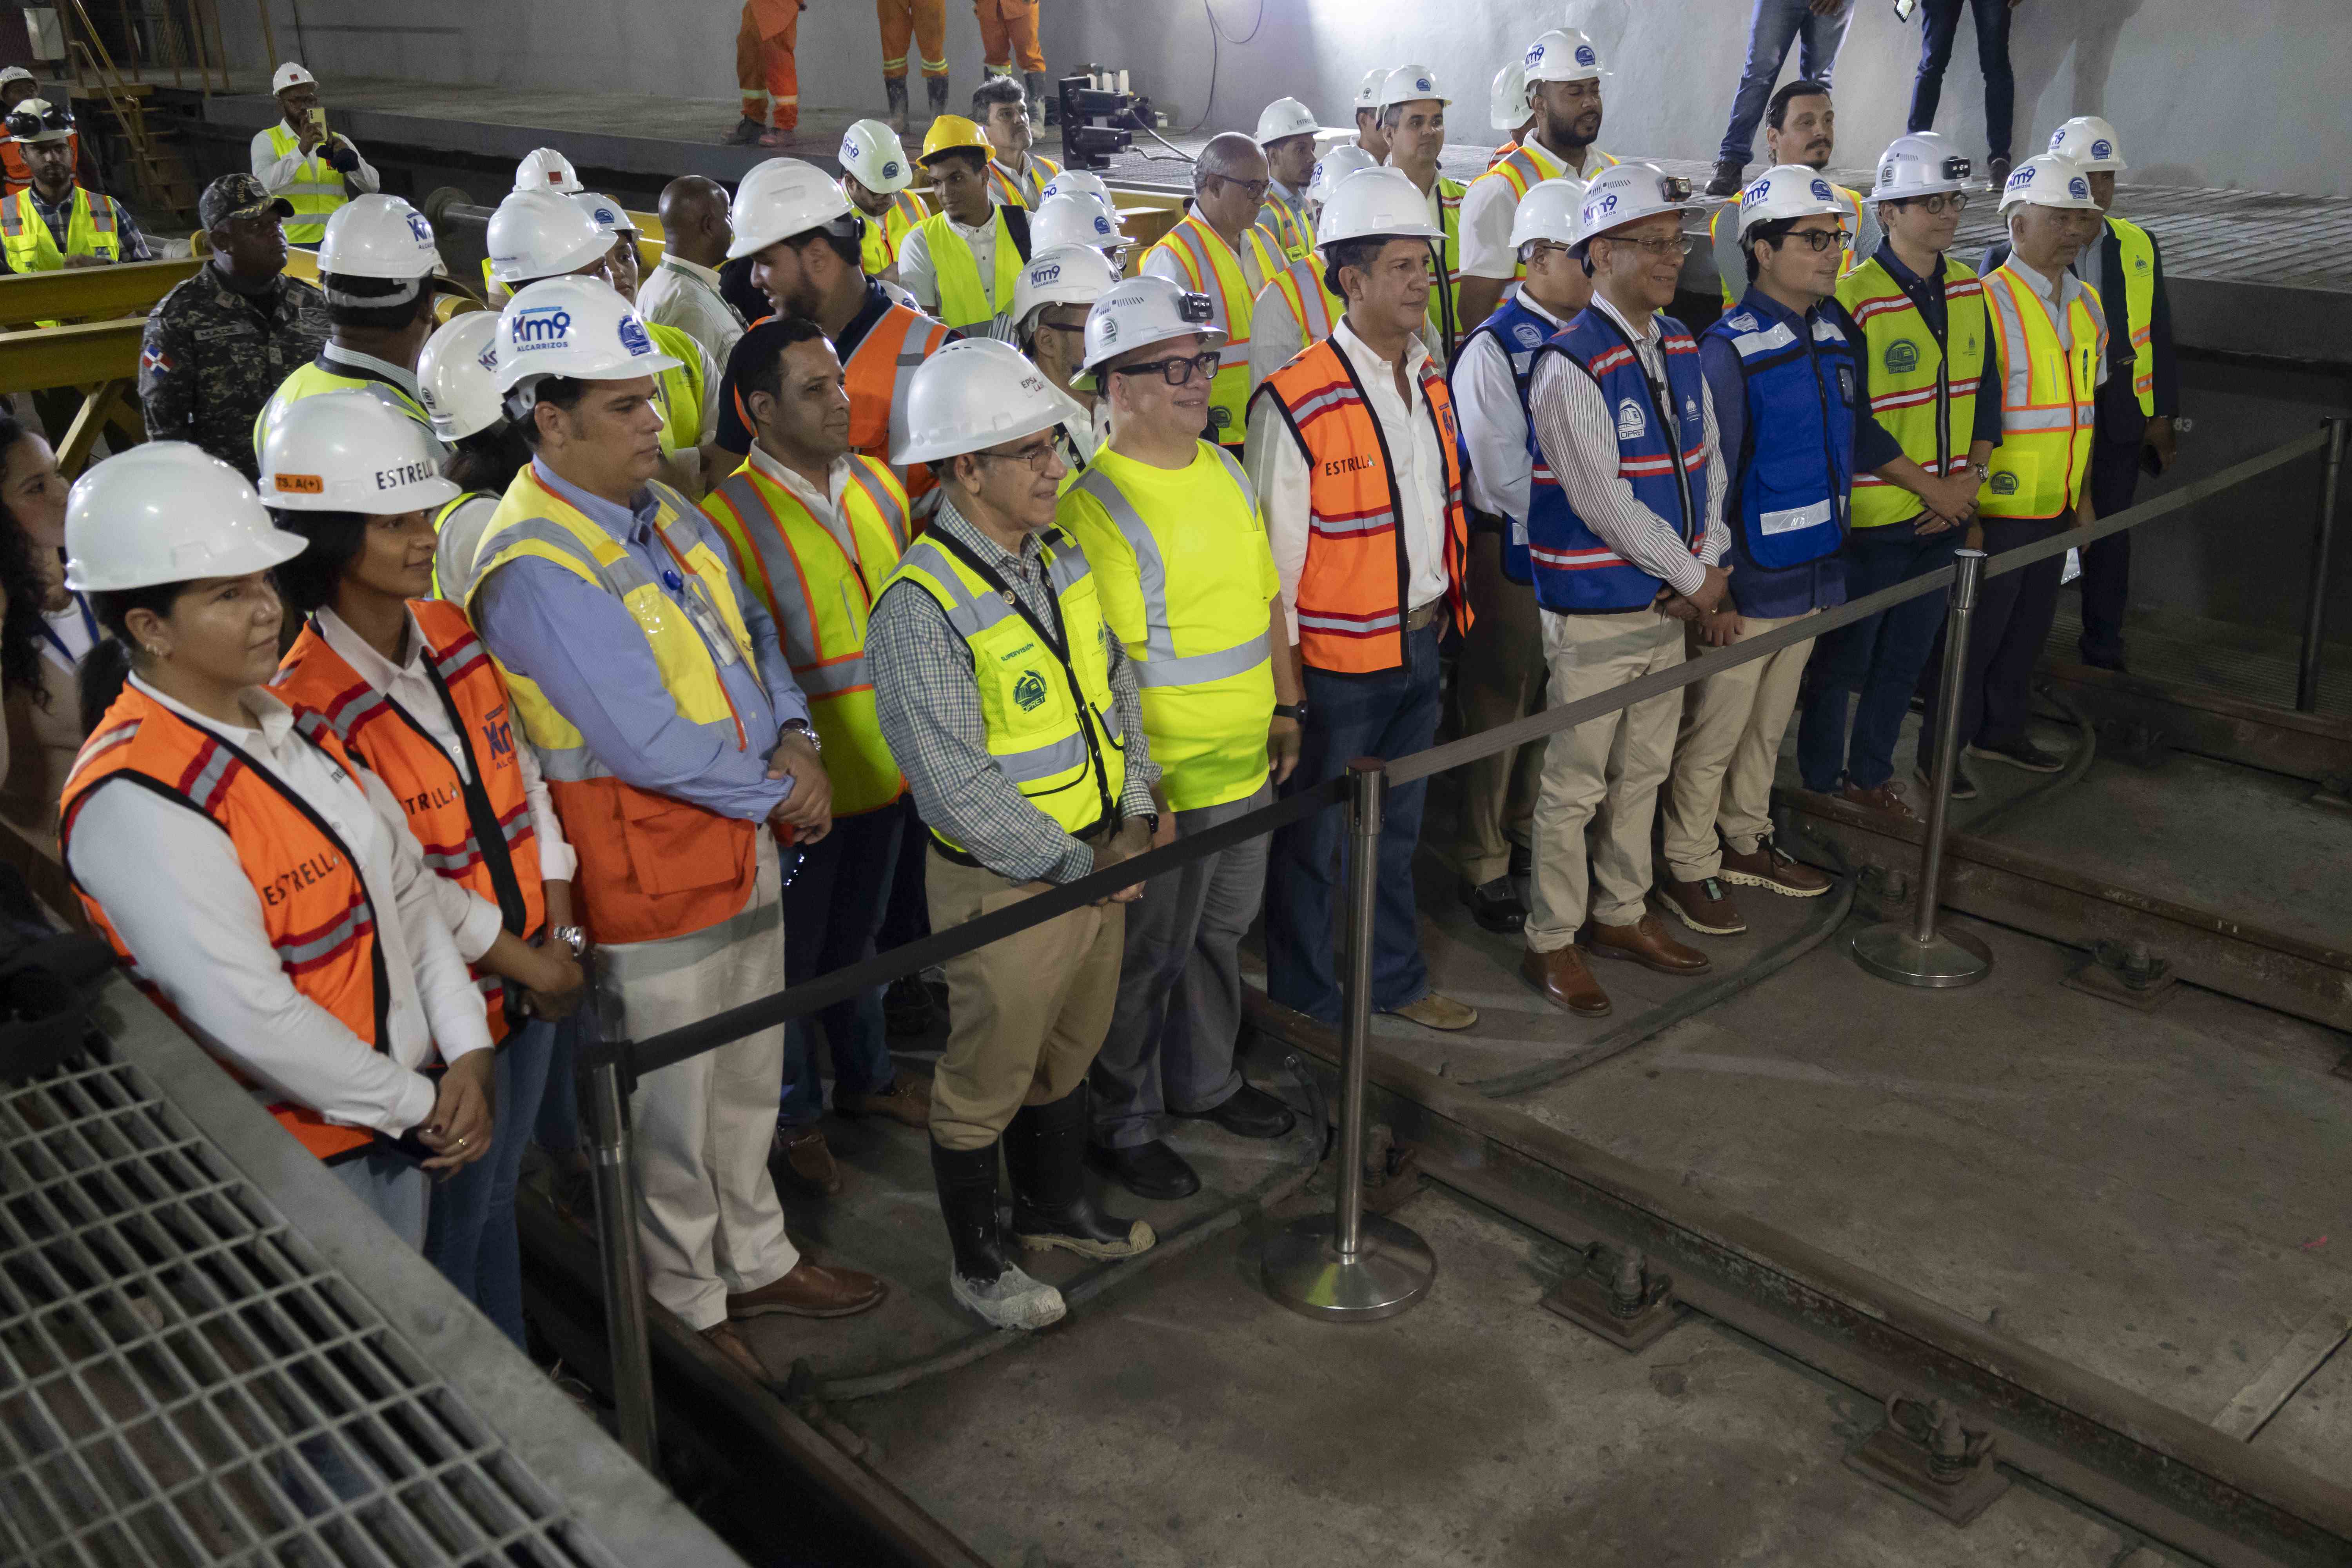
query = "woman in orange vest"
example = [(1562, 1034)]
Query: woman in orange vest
[(253, 877), (402, 682)]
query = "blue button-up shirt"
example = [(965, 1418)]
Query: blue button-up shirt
[(585, 650)]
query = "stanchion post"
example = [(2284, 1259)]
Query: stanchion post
[(608, 1104), (1919, 954), (1354, 1266), (2323, 544)]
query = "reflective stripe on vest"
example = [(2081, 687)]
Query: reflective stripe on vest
[(1008, 189), (1518, 331), (1314, 309), (24, 237), (316, 193), (2047, 411), (1445, 299), (1212, 268), (821, 601), (1525, 165), (1796, 469), (2137, 253), (882, 235), (1285, 223), (325, 375), (1849, 230), (967, 304), (877, 374), (1923, 392), (678, 392)]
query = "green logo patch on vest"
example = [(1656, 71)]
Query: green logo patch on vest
[(2004, 484), (1220, 417), (1029, 693), (1902, 357)]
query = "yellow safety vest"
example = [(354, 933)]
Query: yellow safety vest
[(322, 374), (91, 230), (1212, 268), (1445, 299), (821, 601), (316, 193), (878, 247), (1848, 229), (1053, 730), (1284, 223), (966, 303), (2047, 412), (679, 392), (1312, 306), (1928, 404), (1529, 165), (1202, 662), (1008, 192), (2140, 306)]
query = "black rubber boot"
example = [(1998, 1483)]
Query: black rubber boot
[(1035, 82), (1044, 1150), (935, 93), (982, 1276), (896, 87)]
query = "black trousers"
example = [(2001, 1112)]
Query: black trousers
[(2106, 564), (2013, 614)]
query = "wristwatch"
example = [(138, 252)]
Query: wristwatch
[(1291, 710), (573, 937), (807, 731), (1983, 471)]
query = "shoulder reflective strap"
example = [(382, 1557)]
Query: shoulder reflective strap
[(893, 510)]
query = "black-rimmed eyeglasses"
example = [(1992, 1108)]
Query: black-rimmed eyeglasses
[(1177, 369)]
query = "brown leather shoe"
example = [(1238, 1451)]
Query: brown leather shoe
[(1886, 798), (809, 1159), (1564, 980), (1645, 942), (1705, 905), (907, 1099), (723, 1338), (1771, 868), (812, 1290)]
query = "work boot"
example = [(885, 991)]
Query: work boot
[(1044, 1153), (895, 88), (1998, 166), (906, 1098), (1496, 905), (935, 94), (746, 131), (981, 1275), (1729, 173), (1035, 82), (1887, 798)]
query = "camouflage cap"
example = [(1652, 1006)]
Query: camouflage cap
[(238, 195)]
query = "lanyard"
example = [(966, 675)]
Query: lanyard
[(56, 649), (708, 623)]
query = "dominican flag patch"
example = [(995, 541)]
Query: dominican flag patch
[(155, 362)]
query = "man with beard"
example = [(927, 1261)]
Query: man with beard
[(1564, 91), (1800, 128)]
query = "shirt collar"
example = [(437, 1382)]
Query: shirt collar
[(948, 520), (1367, 363), (633, 523), (399, 375), (1015, 171), (1771, 310), (1528, 302), (60, 205), (1647, 333), (877, 304), (2046, 287), (790, 478), (1284, 192), (272, 720), (694, 269), (372, 667), (984, 226)]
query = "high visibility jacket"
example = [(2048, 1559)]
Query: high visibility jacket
[(317, 190), (2048, 397), (1052, 729), (1923, 388), (1285, 223), (453, 554), (92, 228), (877, 374), (17, 171), (651, 865), (1661, 453), (1008, 193), (967, 303), (1202, 667), (1212, 266), (1525, 163), (1445, 294), (314, 905), (1519, 332), (1735, 285), (475, 831), (1299, 288), (821, 601), (1351, 593), (1796, 462), (884, 235), (2139, 253), (679, 393), (324, 374)]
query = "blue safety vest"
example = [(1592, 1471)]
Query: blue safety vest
[(1661, 452), (1519, 332), (1796, 460)]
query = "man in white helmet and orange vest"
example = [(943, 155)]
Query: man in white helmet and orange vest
[(1286, 135), (1217, 249), (1563, 74), (300, 159)]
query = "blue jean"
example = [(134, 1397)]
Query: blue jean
[(1777, 23), (1389, 714), (470, 1230), (1941, 25), (1880, 657), (832, 908)]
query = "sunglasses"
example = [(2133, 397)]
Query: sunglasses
[(1177, 369)]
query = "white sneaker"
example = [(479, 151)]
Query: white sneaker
[(1011, 1300)]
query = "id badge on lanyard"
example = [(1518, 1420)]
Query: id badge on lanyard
[(683, 581)]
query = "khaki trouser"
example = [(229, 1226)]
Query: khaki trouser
[(1610, 766), (1501, 677), (1728, 752), (1026, 1014), (709, 1221)]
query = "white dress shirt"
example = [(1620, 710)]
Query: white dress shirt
[(1489, 205), (275, 172), (2047, 293), (685, 294), (825, 507), (1578, 433), (171, 882), (1278, 472), (1494, 422)]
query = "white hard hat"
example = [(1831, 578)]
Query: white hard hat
[(1142, 312), (166, 511), (545, 169), (350, 452), (609, 216), (1285, 117), (457, 375), (378, 236), (872, 151), (15, 73), (1507, 100), (976, 394), (542, 234), (780, 198), (575, 327), (2049, 180), (1368, 95), (1078, 183), (2090, 141), (1628, 192), (1335, 166), (1563, 55), (1920, 165), (1411, 84), (1548, 212), (1062, 275), (1074, 220), (1785, 191), (1375, 201), (289, 75)]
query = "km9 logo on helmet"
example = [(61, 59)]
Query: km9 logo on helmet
[(543, 326), (420, 229)]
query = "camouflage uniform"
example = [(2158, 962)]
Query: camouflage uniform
[(213, 357)]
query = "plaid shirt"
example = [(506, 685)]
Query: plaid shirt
[(932, 719)]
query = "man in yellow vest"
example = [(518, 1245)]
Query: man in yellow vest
[(1413, 112), (1297, 307), (963, 262), (1012, 709), (2050, 356), (54, 222), (1563, 75), (377, 263), (1186, 579), (1286, 135), (673, 737), (1217, 249), (1800, 128), (300, 159), (875, 175), (1017, 174)]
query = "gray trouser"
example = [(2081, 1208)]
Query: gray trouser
[(394, 1190), (1180, 987)]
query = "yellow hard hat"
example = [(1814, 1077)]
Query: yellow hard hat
[(949, 133)]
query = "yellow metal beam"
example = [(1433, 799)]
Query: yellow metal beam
[(91, 293), (70, 356)]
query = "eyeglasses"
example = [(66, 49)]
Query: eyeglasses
[(1544, 246), (1046, 326), (1678, 246), (1177, 369), (1957, 201), (1037, 459), (1255, 189), (1816, 239)]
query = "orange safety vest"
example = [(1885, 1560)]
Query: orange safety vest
[(1352, 593), (314, 906), (878, 374), (475, 832)]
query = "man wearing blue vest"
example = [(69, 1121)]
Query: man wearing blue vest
[(1623, 552), (1781, 368), (1502, 672)]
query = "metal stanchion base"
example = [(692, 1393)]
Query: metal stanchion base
[(1389, 1272), (1948, 958)]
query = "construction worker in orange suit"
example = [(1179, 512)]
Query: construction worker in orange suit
[(1008, 30), (767, 73), (924, 23)]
